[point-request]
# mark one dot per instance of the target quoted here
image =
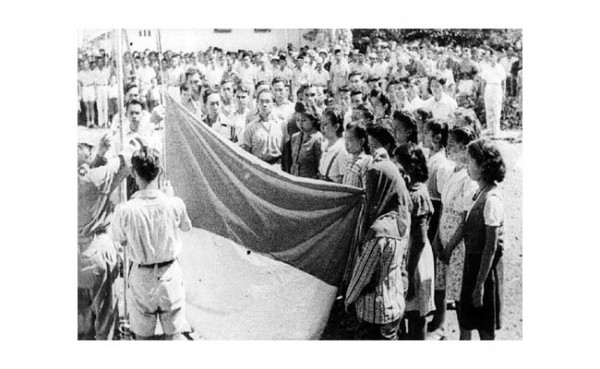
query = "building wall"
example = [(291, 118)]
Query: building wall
[(200, 39)]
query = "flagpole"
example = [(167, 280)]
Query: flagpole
[(118, 39), (164, 99)]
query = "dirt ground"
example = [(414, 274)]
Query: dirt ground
[(339, 327)]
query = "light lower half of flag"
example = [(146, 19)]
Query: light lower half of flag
[(233, 292)]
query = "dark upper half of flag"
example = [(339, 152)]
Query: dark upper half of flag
[(306, 223)]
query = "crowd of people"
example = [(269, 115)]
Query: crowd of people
[(391, 120)]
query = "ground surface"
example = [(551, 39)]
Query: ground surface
[(512, 190)]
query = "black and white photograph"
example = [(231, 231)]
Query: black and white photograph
[(297, 184), (286, 184)]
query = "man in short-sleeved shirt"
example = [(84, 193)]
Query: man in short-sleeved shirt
[(148, 226), (263, 137)]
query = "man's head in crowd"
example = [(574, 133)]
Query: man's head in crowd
[(332, 123), (265, 103), (364, 114), (132, 91), (185, 92), (356, 98), (242, 94), (227, 90), (134, 110), (246, 61), (436, 86), (345, 98), (355, 81), (145, 165), (194, 79), (311, 93), (337, 54), (279, 90), (212, 101)]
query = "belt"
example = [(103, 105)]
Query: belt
[(157, 265), (273, 160)]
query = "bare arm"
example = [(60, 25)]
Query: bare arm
[(419, 238), (489, 251)]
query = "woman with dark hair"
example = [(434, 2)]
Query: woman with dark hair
[(419, 260), (377, 285), (363, 113), (440, 104), (334, 159), (405, 128), (448, 246), (482, 284), (306, 144), (357, 145), (382, 106)]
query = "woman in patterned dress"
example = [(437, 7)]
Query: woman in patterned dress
[(457, 196)]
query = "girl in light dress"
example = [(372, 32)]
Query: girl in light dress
[(419, 259), (448, 246)]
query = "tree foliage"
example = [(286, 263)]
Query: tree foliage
[(441, 36)]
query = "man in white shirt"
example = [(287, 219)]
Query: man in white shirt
[(319, 76), (246, 73), (101, 82), (263, 137), (148, 226), (215, 117), (339, 71)]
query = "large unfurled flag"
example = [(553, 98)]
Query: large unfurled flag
[(268, 250)]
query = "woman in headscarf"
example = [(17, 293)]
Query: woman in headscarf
[(377, 287)]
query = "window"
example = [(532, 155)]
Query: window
[(262, 30), (222, 30)]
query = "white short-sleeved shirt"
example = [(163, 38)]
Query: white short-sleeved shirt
[(336, 152), (149, 224), (443, 108), (494, 75), (493, 211)]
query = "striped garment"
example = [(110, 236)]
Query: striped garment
[(377, 286), (356, 170)]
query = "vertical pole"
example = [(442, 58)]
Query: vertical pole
[(118, 39)]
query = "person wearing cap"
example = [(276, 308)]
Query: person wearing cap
[(97, 179), (326, 62), (148, 226), (339, 71)]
